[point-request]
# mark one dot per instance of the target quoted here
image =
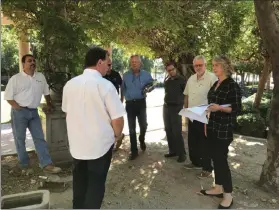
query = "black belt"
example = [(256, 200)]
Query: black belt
[(173, 104), (136, 100), (25, 107)]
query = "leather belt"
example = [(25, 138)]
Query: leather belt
[(135, 100), (25, 107)]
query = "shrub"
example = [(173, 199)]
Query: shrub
[(247, 104), (268, 94), (246, 92), (251, 124)]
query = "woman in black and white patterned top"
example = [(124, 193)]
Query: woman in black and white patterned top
[(220, 127)]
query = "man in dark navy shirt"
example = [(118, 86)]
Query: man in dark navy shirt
[(173, 103), (116, 80)]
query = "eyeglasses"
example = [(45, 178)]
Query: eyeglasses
[(198, 65)]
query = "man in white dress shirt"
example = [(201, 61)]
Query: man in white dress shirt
[(195, 93), (24, 92), (94, 116)]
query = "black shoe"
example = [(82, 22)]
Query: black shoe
[(181, 158), (143, 146), (214, 195), (133, 156), (225, 207), (170, 155)]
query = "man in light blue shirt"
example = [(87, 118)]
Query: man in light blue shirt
[(134, 83)]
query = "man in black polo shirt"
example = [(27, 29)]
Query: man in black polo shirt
[(173, 103), (116, 80)]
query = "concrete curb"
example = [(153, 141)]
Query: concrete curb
[(249, 138)]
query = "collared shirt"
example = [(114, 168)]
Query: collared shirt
[(115, 78), (91, 103), (197, 90), (221, 122), (27, 90), (174, 87), (133, 85)]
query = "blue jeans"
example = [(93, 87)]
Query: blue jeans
[(29, 118)]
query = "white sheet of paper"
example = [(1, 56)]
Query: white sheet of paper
[(193, 116), (197, 113), (199, 110)]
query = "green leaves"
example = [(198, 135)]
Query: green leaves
[(166, 29)]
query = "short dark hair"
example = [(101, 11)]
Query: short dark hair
[(93, 55), (168, 63), (23, 59)]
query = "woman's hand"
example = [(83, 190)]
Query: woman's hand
[(214, 108), (205, 131)]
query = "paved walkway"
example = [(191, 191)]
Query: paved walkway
[(154, 119)]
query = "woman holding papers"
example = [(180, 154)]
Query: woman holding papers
[(220, 126)]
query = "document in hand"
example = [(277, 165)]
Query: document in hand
[(198, 112)]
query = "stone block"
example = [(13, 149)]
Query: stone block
[(39, 199), (55, 130)]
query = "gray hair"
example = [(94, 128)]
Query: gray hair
[(200, 57), (138, 56)]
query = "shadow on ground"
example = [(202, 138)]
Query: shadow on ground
[(151, 181)]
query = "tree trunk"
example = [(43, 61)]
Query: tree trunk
[(246, 80), (242, 74), (185, 65), (269, 29), (263, 79)]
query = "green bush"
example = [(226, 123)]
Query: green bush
[(247, 104), (268, 94), (251, 124)]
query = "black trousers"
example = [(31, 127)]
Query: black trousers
[(89, 177), (219, 153), (198, 146), (173, 128), (136, 109)]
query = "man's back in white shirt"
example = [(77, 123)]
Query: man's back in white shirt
[(91, 103)]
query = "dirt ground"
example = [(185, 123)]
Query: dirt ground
[(151, 181)]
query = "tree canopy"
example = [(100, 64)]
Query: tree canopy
[(166, 29)]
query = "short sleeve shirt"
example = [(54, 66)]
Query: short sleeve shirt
[(197, 90), (27, 90), (91, 103)]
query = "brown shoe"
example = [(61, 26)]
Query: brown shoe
[(119, 142), (204, 174), (51, 169)]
